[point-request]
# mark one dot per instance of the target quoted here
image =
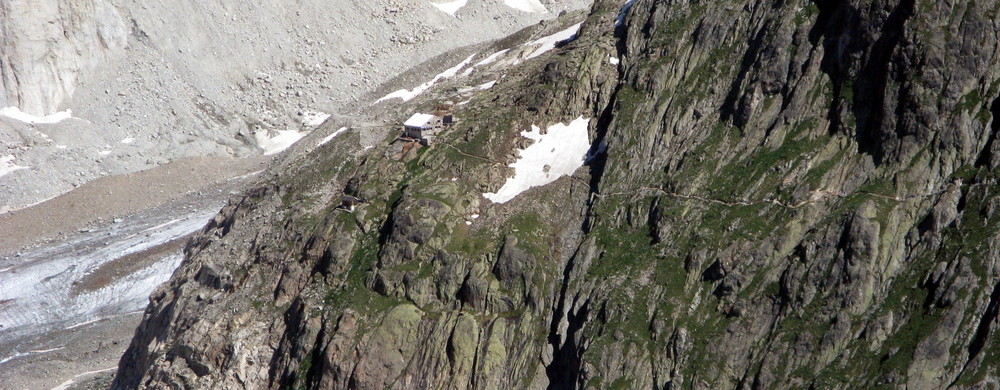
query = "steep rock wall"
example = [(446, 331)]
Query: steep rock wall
[(44, 45), (780, 194)]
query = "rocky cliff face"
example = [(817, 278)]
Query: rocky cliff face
[(45, 45), (779, 194)]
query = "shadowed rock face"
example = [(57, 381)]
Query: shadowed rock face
[(780, 194)]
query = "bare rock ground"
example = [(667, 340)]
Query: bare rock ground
[(166, 121), (79, 356)]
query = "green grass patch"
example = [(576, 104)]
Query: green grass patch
[(806, 14), (354, 293), (471, 243), (737, 178), (623, 251)]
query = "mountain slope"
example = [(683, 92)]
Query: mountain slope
[(93, 88), (777, 194)]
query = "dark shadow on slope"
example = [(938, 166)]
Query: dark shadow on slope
[(986, 156), (864, 90), (873, 83), (564, 371), (293, 317), (829, 10), (985, 324), (736, 107)]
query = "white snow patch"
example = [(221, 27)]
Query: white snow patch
[(65, 385), (61, 146), (624, 11), (485, 86), (614, 60), (548, 43), (128, 141), (31, 205), (16, 113), (47, 350), (241, 177), (481, 87), (7, 165), (463, 103), (104, 153), (526, 5), (468, 223), (558, 152), (162, 225), (331, 136), (492, 58), (84, 323), (475, 216), (12, 357), (486, 61), (279, 142), (408, 94), (18, 355), (450, 7), (313, 119)]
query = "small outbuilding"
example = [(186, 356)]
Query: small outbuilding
[(446, 112)]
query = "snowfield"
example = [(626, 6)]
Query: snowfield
[(492, 58), (7, 165), (541, 46), (66, 385), (313, 119), (548, 43), (557, 153), (277, 143), (486, 85), (409, 94), (331, 136), (481, 87), (16, 113), (526, 5), (450, 7)]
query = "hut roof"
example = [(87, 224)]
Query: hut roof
[(418, 120)]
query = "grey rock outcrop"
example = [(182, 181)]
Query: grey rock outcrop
[(782, 194)]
